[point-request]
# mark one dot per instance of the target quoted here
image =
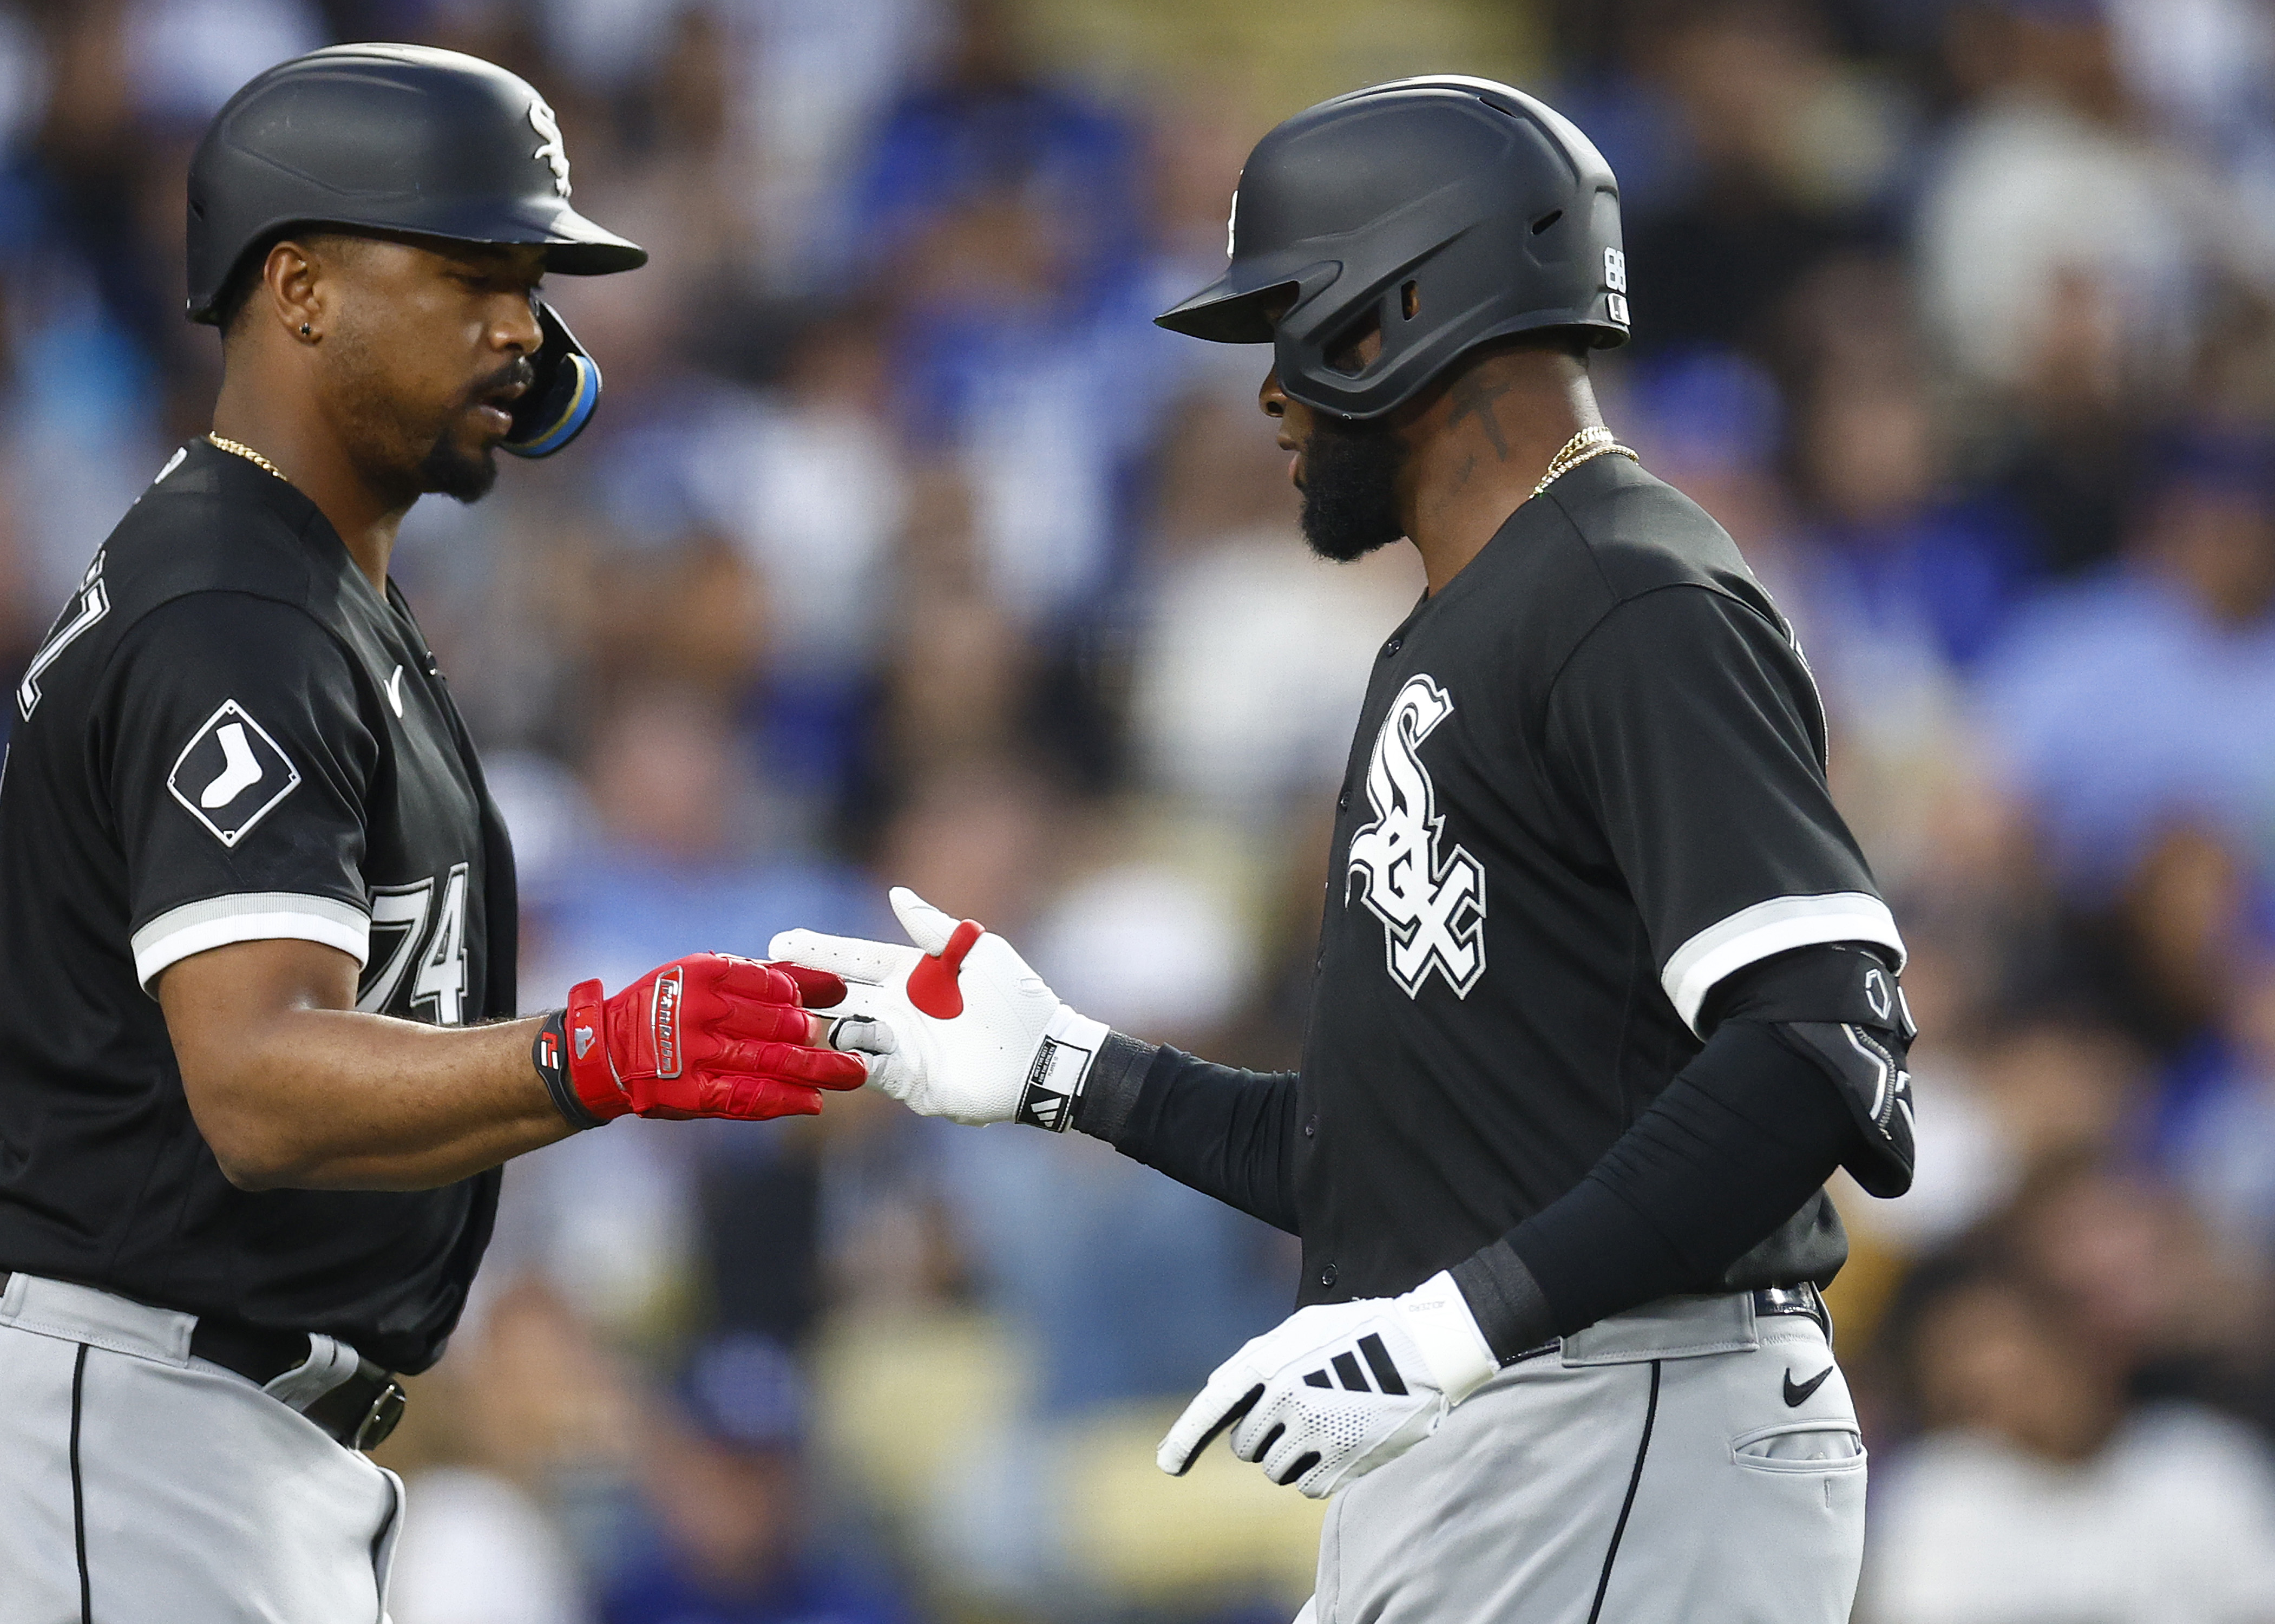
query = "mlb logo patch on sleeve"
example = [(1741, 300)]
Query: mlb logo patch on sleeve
[(232, 774)]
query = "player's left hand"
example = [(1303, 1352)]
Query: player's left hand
[(1339, 1389)]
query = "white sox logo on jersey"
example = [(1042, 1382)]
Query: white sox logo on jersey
[(232, 773), (1433, 908)]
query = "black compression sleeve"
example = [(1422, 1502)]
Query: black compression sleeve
[(1225, 1132), (1738, 1141), (1110, 1093)]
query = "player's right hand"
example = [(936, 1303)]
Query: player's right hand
[(707, 1035), (958, 1025)]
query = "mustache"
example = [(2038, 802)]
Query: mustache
[(519, 370)]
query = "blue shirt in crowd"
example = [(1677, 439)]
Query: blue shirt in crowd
[(2124, 707), (652, 1591)]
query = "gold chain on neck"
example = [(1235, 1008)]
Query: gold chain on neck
[(259, 461), (1585, 446)]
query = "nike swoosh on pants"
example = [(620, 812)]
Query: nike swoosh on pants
[(1797, 1396)]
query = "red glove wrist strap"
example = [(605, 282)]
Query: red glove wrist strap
[(591, 1073)]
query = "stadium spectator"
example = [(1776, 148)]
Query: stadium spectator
[(1253, 655), (1910, 579), (2223, 1135), (2120, 701), (1780, 150), (2039, 1492), (725, 1481)]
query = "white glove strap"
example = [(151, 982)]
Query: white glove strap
[(1060, 1067), (1438, 1318)]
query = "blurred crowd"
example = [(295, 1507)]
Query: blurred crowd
[(904, 549)]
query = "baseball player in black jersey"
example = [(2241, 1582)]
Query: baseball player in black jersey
[(258, 1063), (1604, 991)]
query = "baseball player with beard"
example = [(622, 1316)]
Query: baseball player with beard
[(1605, 991), (259, 1058)]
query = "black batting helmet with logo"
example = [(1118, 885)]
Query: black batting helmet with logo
[(403, 138), (1446, 211)]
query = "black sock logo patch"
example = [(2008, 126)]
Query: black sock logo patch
[(232, 774)]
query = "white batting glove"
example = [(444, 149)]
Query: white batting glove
[(971, 1033), (1339, 1389)]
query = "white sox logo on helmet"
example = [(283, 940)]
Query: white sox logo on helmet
[(555, 151), (1433, 908)]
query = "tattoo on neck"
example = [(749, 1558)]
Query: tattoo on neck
[(1473, 396)]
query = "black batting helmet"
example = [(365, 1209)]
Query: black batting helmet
[(395, 137), (1448, 211), (404, 138)]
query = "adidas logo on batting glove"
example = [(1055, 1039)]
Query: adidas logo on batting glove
[(1339, 1389)]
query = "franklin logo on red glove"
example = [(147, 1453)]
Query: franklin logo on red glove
[(667, 1022)]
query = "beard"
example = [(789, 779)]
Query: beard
[(387, 436), (1350, 488), (467, 476)]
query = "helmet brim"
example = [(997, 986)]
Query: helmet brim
[(575, 247), (573, 244), (1231, 310)]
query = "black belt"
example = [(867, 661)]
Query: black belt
[(359, 1412), (1804, 1299)]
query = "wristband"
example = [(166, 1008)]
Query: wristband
[(549, 1054), (1109, 1093), (1510, 1309), (592, 1072)]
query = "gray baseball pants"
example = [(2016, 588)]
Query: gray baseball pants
[(139, 1483), (1685, 1463)]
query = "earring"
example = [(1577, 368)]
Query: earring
[(304, 330)]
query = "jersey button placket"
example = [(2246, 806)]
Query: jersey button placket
[(1328, 1275)]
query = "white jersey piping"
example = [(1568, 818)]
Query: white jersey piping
[(251, 915), (1778, 926)]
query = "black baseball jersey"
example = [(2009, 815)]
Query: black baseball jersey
[(230, 735), (1588, 785)]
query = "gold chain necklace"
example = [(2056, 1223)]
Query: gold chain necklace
[(251, 455), (1585, 446)]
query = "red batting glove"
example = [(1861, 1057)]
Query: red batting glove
[(707, 1035)]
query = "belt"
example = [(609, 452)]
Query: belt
[(359, 1411), (1804, 1299)]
